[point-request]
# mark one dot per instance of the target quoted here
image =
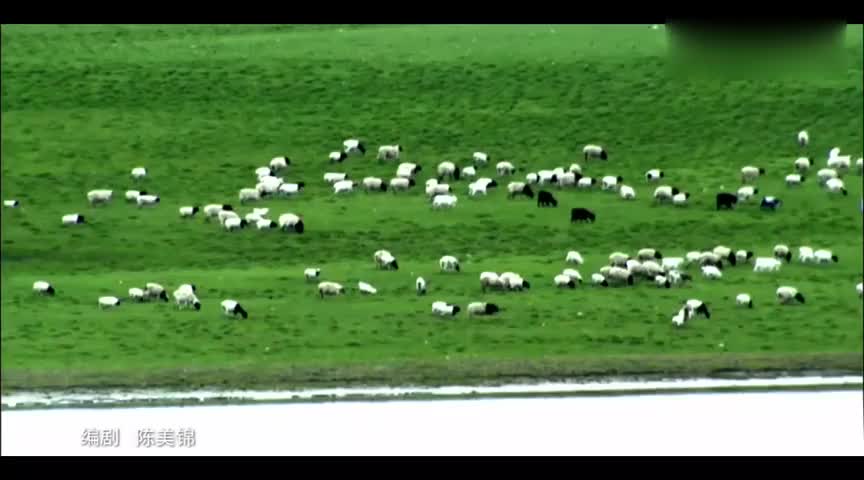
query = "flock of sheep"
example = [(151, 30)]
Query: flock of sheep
[(648, 264)]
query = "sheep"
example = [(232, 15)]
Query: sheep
[(803, 138), (860, 289), (835, 185), (43, 288), (233, 308), (514, 281), (610, 182), (618, 258), (249, 195), (132, 195), (627, 192), (152, 291), (650, 268), (568, 179), (749, 173), (265, 224), (108, 302), (290, 221), (444, 309), (573, 274), (825, 256), (664, 193), (444, 201), (532, 178), (840, 162), (803, 164), (397, 184), (573, 257), (794, 179), (654, 175), (469, 172), (96, 197), (374, 183), (621, 275), (147, 201), (635, 267), (187, 287), (333, 177), (680, 199), (585, 182), (505, 168), (337, 157), (676, 277), (448, 169), (188, 212), (697, 307), (545, 199), (279, 163), (311, 273), (806, 255), (474, 189), (710, 258), (681, 317), (136, 294), (766, 264), (262, 172), (726, 200), (253, 216), (662, 281), (826, 174), (743, 256), (595, 151), (770, 203), (213, 209), (366, 289), (599, 279), (386, 260), (442, 189), (834, 152), (353, 146), (235, 223), (564, 281), (289, 189), (711, 272), (343, 186), (782, 251), (139, 172), (482, 308), (449, 263), (389, 152), (859, 165), (408, 170), (420, 286), (480, 159), (744, 299), (73, 219), (746, 193), (11, 203), (330, 288), (727, 253), (786, 294), (490, 280), (558, 171), (575, 168), (225, 215), (671, 263), (692, 257), (546, 176), (519, 188), (487, 182), (648, 254)]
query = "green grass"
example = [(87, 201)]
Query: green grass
[(202, 106)]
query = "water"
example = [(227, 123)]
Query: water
[(765, 423)]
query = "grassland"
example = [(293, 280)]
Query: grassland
[(202, 106)]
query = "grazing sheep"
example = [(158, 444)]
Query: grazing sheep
[(132, 195), (444, 309), (770, 203), (469, 172), (139, 172), (386, 260), (147, 201), (408, 170), (153, 291), (136, 294), (744, 299), (480, 159), (693, 257), (586, 182), (262, 172), (749, 173), (627, 192), (743, 256), (448, 169), (474, 189), (374, 183), (108, 302), (803, 164), (213, 209), (487, 182), (330, 288), (440, 189), (490, 280), (621, 275), (746, 193), (420, 286), (226, 214), (766, 264), (609, 182), (727, 253), (662, 281), (654, 175), (785, 295), (711, 272), (599, 279), (664, 193), (650, 268), (389, 152), (545, 199), (648, 254), (826, 174), (568, 179), (449, 263), (519, 188), (595, 151), (835, 185), (333, 177), (253, 217), (43, 288), (834, 152), (573, 274), (671, 263), (73, 219), (582, 215), (311, 273), (680, 199), (794, 179), (482, 308), (233, 308), (189, 211), (825, 256), (397, 184), (514, 281), (532, 178), (337, 157), (676, 277), (680, 318), (806, 255), (726, 200), (635, 267), (505, 168), (840, 162), (11, 203), (444, 201), (249, 195), (352, 146), (290, 221), (697, 307), (289, 189), (564, 281), (573, 257), (366, 289), (546, 176), (234, 223), (279, 163), (187, 287), (343, 186), (803, 138), (782, 251), (265, 224), (575, 168), (96, 197), (860, 289), (710, 258)]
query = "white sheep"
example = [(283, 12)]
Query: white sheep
[(806, 255), (697, 307), (693, 257), (232, 224), (680, 318), (132, 195), (147, 201), (73, 219), (444, 201), (444, 309), (389, 152), (333, 177), (567, 179), (212, 210), (490, 280), (438, 189), (621, 275), (675, 277), (564, 281), (352, 146), (835, 185), (139, 173), (546, 176), (96, 197), (618, 258), (108, 302), (398, 184), (136, 294), (610, 182), (573, 274), (651, 268), (448, 169), (449, 263), (665, 192), (680, 199), (826, 174), (311, 273), (189, 211), (662, 281), (480, 158), (366, 289), (860, 289), (627, 192), (573, 257), (265, 224), (794, 179), (482, 308), (330, 288), (654, 175), (384, 259), (766, 264), (575, 168), (782, 251), (599, 279), (671, 263), (233, 308), (11, 203), (711, 272), (374, 183), (840, 162), (803, 164), (279, 163), (249, 195), (469, 172), (152, 291), (225, 215), (749, 173), (43, 288), (825, 256), (290, 189), (474, 189), (420, 286), (262, 172), (744, 299), (532, 178), (743, 256), (595, 151), (408, 170), (337, 157), (505, 168), (514, 281), (290, 221), (343, 186), (747, 192), (648, 254), (803, 138), (785, 295)]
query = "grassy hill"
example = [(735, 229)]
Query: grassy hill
[(202, 106)]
